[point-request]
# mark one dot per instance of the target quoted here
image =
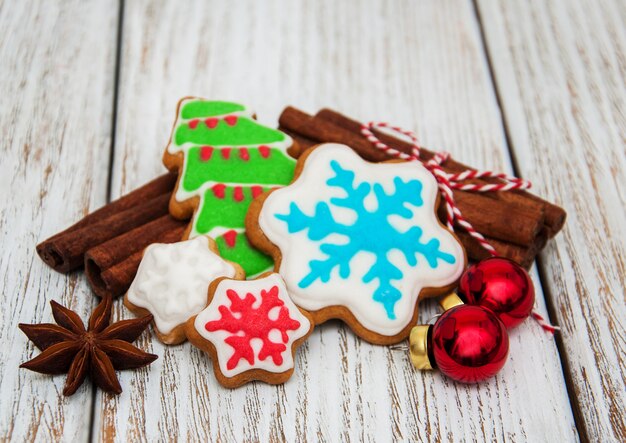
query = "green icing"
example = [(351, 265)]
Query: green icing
[(277, 168), (203, 108), (224, 212), (227, 207), (251, 260), (245, 132)]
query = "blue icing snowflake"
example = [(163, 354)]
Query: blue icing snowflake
[(371, 232)]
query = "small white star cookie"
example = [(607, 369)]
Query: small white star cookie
[(172, 283)]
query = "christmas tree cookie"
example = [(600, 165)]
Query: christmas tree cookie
[(358, 241), (225, 159)]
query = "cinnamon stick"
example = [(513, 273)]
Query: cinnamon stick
[(502, 222), (65, 251), (303, 143), (554, 216), (111, 266), (119, 248), (323, 131), (499, 219), (54, 252)]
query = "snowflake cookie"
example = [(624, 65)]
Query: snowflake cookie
[(358, 241), (172, 284), (251, 329)]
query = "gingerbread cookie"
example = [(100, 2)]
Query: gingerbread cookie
[(172, 284), (251, 330), (358, 241), (224, 159)]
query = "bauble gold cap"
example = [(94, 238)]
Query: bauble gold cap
[(418, 347), (450, 301)]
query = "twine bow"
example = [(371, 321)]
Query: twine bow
[(447, 182)]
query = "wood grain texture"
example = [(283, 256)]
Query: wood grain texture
[(420, 65), (560, 68), (56, 83)]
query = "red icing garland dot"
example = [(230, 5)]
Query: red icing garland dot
[(193, 123), (225, 153), (230, 237), (238, 193), (211, 122), (218, 190), (231, 120), (244, 154), (265, 151), (256, 191), (206, 152)]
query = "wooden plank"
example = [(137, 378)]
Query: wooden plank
[(420, 66), (559, 68), (56, 86)]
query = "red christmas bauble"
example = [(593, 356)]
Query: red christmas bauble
[(469, 344), (500, 285)]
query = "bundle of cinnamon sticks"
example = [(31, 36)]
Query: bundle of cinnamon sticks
[(516, 223), (109, 242)]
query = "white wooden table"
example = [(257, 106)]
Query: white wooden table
[(87, 95)]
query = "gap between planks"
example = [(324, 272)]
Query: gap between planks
[(109, 184), (547, 291), (509, 144)]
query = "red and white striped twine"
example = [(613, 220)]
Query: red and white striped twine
[(544, 323), (447, 182)]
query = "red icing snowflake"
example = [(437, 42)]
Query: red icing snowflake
[(246, 323)]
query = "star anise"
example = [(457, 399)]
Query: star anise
[(98, 350)]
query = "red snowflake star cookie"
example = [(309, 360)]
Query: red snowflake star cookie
[(250, 329)]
